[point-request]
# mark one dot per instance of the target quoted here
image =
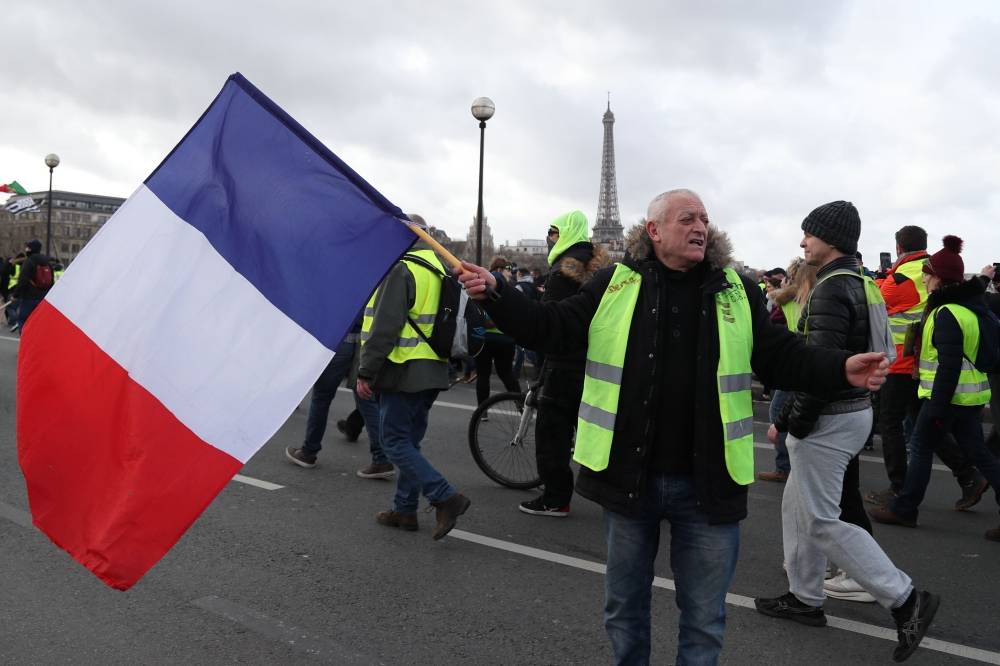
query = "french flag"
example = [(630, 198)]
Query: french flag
[(189, 329)]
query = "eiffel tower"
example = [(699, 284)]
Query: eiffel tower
[(608, 226)]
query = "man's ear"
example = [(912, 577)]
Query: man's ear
[(652, 230)]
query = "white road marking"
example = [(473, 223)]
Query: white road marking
[(250, 481), (956, 649), (7, 337)]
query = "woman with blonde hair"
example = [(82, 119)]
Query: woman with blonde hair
[(788, 303)]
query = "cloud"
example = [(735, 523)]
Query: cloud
[(767, 109)]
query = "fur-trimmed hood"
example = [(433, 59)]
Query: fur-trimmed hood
[(718, 247), (580, 272)]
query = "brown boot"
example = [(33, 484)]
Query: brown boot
[(887, 516), (993, 534), (404, 521), (448, 512), (777, 476)]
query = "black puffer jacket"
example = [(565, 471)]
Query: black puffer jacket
[(779, 358), (836, 316)]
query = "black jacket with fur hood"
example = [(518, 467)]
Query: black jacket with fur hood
[(570, 271), (779, 359)]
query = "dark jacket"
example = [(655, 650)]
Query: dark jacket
[(835, 316), (24, 289), (778, 358), (570, 271), (948, 339)]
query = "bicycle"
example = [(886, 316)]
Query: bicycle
[(502, 438)]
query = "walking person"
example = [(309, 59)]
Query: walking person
[(323, 393), (789, 301), (665, 426), (498, 350), (905, 299), (406, 374), (826, 431), (34, 281), (573, 260), (952, 391)]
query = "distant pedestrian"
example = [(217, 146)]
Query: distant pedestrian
[(34, 281), (498, 350)]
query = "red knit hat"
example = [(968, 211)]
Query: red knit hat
[(946, 262)]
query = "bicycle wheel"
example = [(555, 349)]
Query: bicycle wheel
[(500, 453)]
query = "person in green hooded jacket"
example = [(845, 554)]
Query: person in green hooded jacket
[(573, 260)]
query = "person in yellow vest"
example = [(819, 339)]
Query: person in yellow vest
[(952, 391), (665, 425), (826, 432), (905, 298), (401, 369)]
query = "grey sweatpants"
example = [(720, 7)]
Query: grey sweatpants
[(810, 516)]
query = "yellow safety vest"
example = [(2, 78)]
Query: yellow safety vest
[(901, 321), (973, 386), (410, 346), (792, 311), (14, 277), (606, 344)]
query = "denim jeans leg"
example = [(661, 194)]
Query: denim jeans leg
[(403, 419), (703, 559), (628, 586), (323, 393), (968, 430), (781, 460), (369, 412), (919, 463)]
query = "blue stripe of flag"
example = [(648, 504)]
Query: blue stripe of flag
[(298, 223)]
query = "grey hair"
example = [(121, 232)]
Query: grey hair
[(661, 199), (418, 220)]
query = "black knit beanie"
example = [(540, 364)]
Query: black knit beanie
[(836, 223)]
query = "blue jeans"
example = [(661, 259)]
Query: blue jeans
[(781, 460), (966, 424), (403, 419), (369, 412), (703, 561), (323, 393)]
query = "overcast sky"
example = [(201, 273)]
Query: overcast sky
[(767, 109)]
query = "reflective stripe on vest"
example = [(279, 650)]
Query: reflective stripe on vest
[(606, 345), (973, 386), (410, 346), (792, 311), (901, 321)]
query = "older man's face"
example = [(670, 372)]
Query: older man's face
[(679, 231)]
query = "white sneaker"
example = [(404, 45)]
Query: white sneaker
[(844, 587)]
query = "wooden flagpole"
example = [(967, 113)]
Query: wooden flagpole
[(440, 249)]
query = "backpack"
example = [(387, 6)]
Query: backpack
[(43, 277), (879, 334), (988, 357), (459, 324)]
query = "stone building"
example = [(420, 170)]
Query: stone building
[(76, 217)]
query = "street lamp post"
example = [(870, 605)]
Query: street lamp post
[(51, 161), (482, 110)]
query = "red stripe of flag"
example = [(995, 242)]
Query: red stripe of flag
[(123, 478)]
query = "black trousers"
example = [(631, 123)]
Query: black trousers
[(500, 355), (993, 441), (898, 400), (555, 423), (852, 506)]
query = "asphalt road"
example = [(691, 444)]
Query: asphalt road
[(303, 574)]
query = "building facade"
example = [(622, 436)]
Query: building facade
[(76, 217)]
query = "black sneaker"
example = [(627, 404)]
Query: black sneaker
[(910, 629), (788, 606), (538, 507), (300, 457)]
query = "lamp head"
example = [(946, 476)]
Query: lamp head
[(482, 108), (52, 160)]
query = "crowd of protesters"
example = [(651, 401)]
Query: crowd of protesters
[(645, 373)]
